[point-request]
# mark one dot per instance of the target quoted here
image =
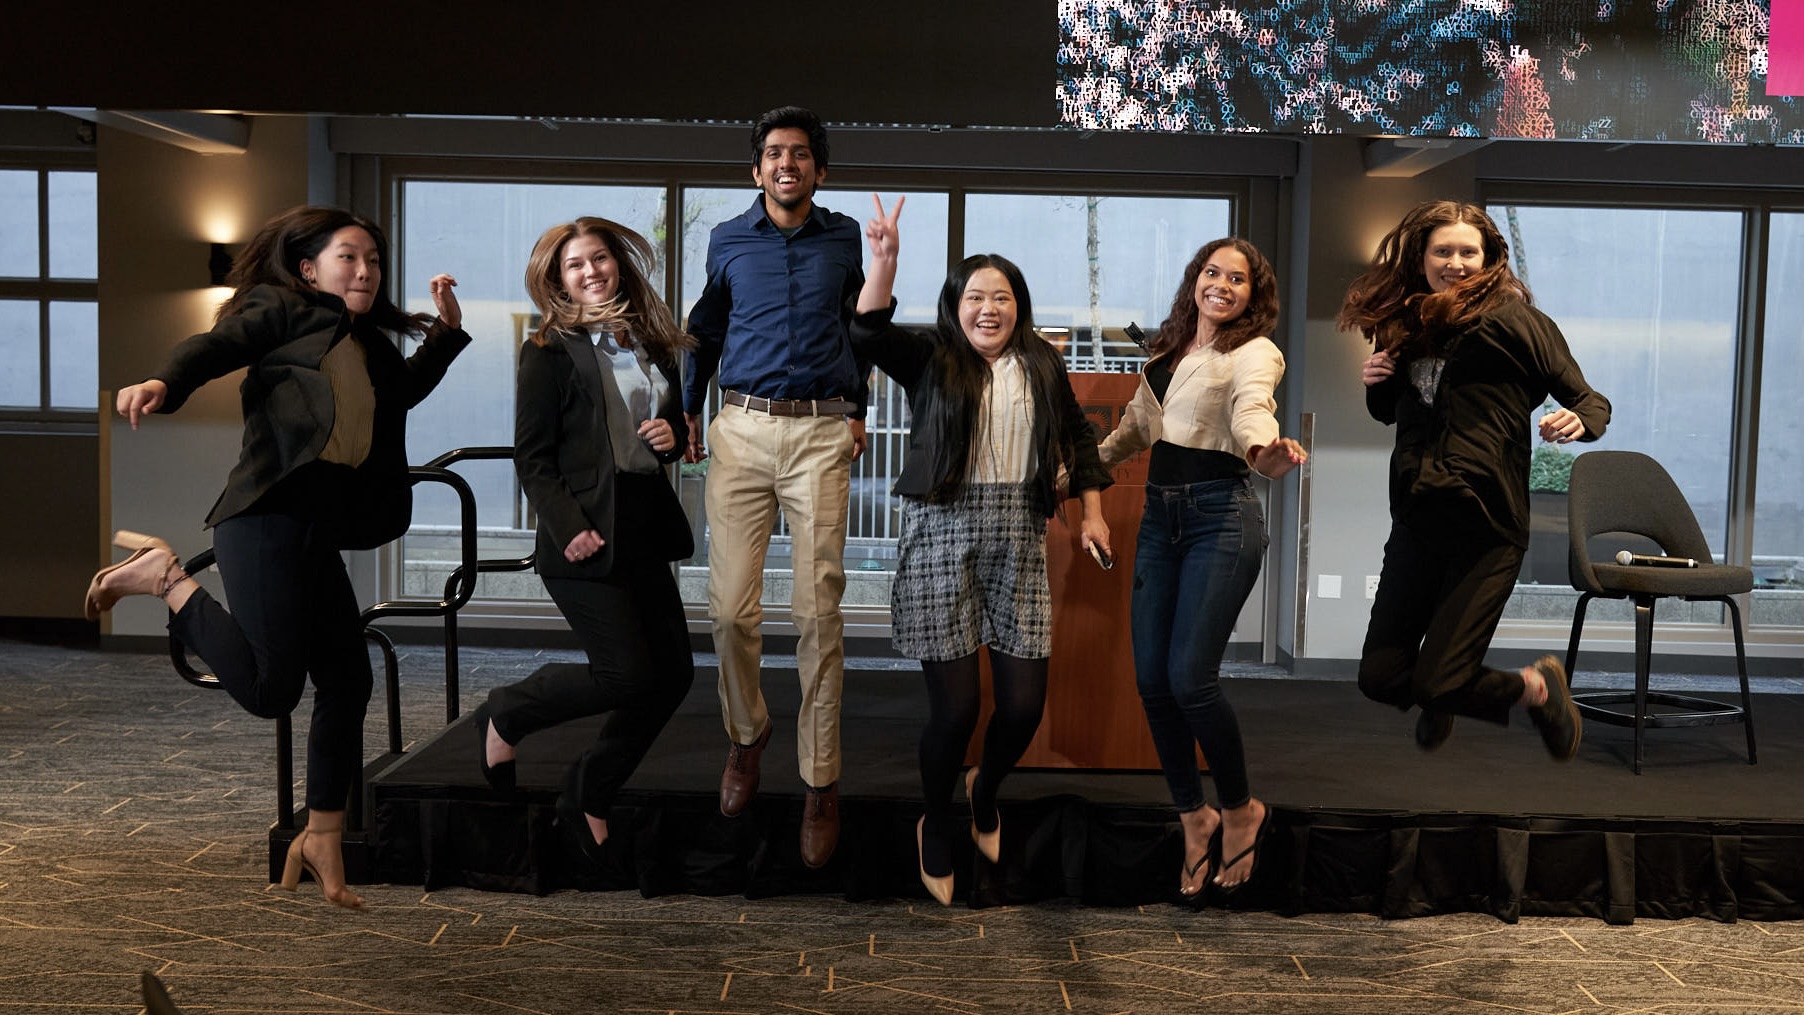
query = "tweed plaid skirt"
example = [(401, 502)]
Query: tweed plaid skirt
[(972, 573)]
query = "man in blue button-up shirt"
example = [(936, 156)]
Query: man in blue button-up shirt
[(772, 325)]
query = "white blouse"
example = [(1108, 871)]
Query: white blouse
[(1002, 447)]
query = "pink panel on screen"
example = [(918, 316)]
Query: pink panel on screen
[(1785, 49)]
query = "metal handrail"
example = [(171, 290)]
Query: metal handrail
[(458, 589), (464, 576)]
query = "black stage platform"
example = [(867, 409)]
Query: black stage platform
[(1363, 820)]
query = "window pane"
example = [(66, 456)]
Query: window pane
[(19, 225), (1096, 263), (1779, 487), (74, 235), (74, 355), (19, 354), (1647, 300), (482, 233)]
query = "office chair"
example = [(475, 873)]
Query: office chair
[(1625, 492)]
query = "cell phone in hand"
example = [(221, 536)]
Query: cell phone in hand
[(1103, 560)]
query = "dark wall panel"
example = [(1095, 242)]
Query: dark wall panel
[(926, 61)]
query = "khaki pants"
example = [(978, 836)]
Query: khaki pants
[(802, 464)]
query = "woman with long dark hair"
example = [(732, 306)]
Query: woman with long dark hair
[(323, 468), (1462, 360), (598, 416), (994, 423), (1206, 410)]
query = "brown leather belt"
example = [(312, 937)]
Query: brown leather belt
[(790, 406)]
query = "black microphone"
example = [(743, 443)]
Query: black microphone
[(1625, 558)]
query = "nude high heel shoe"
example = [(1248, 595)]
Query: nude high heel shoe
[(126, 539), (938, 886), (149, 571), (297, 862)]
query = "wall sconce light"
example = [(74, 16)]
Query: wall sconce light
[(219, 263)]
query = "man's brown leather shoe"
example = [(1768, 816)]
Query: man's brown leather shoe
[(739, 783), (820, 824)]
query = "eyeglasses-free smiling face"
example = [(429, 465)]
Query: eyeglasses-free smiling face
[(786, 171), (1453, 252), (588, 271), (1224, 288), (986, 312), (348, 267)]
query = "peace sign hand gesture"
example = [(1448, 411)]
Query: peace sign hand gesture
[(885, 239), (882, 231)]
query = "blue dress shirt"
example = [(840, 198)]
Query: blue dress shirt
[(773, 317)]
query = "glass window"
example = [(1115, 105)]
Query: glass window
[(1096, 264), (1779, 483), (74, 355), (74, 232), (68, 374), (18, 223), (1648, 301), (482, 233), (19, 373)]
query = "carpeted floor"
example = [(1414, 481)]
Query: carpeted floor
[(133, 819)]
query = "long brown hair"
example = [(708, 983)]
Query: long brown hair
[(1258, 319), (274, 256), (636, 309), (1393, 305)]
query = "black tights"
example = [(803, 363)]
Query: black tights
[(954, 690)]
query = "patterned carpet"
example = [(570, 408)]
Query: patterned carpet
[(133, 817)]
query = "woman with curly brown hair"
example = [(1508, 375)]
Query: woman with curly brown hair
[(1206, 410), (1462, 360)]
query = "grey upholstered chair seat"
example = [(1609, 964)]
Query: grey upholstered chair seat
[(1704, 580)]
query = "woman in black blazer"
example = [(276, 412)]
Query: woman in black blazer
[(597, 417), (323, 468)]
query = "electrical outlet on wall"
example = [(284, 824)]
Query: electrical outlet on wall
[(1371, 586)]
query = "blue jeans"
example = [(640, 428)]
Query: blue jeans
[(1195, 564)]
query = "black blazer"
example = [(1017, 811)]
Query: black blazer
[(566, 463), (282, 336)]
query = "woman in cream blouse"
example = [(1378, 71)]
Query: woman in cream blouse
[(1205, 408)]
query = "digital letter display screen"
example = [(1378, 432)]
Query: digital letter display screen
[(1652, 70)]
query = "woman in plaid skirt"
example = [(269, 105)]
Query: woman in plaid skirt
[(994, 422)]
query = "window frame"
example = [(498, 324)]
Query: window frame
[(377, 182), (45, 289), (1756, 206)]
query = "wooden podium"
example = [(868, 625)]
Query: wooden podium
[(1093, 716)]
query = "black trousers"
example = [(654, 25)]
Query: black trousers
[(1440, 596), (294, 616), (631, 625)]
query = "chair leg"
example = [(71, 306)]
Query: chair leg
[(1578, 627), (1741, 667), (1644, 650)]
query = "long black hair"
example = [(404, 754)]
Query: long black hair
[(950, 403), (274, 256)]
